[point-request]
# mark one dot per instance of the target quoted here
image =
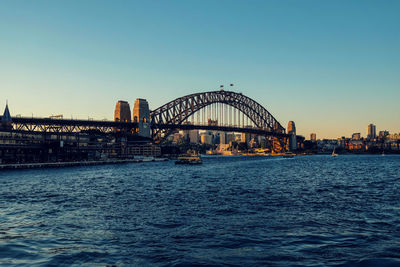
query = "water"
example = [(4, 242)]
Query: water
[(310, 210)]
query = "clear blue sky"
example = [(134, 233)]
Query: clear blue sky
[(331, 66)]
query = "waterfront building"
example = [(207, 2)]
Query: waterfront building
[(371, 131), (222, 138), (245, 138), (356, 136), (141, 115), (292, 138), (341, 142), (238, 137), (194, 136), (253, 143), (313, 137), (6, 119), (206, 138), (122, 111), (356, 145), (262, 141), (177, 137), (145, 149), (395, 136)]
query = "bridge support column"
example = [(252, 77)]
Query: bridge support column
[(141, 115)]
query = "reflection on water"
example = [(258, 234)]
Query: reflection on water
[(231, 210)]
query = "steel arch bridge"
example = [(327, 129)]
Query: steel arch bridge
[(176, 112)]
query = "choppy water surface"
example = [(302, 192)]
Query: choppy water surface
[(310, 210)]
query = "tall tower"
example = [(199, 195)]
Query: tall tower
[(371, 131), (291, 127), (141, 115), (122, 112), (313, 137), (292, 137)]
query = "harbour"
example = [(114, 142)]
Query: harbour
[(256, 210), (199, 133)]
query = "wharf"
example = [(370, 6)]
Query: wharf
[(74, 163)]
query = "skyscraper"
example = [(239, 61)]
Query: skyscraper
[(371, 131), (291, 127), (292, 138), (313, 137)]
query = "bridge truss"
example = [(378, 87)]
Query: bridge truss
[(226, 109), (69, 126)]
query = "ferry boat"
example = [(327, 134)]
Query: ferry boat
[(191, 158)]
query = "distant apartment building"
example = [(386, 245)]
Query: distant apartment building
[(177, 137), (371, 131), (223, 138), (245, 138), (394, 136), (341, 142), (313, 137), (356, 136), (206, 138), (194, 136), (383, 134), (355, 145), (230, 137)]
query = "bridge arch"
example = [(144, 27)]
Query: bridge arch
[(177, 111)]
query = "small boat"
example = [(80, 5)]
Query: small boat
[(289, 155), (383, 153), (334, 154), (191, 158)]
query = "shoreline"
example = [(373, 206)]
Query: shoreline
[(21, 166)]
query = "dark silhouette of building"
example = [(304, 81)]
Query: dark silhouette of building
[(6, 119)]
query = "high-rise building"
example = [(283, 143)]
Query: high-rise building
[(122, 112), (356, 136), (383, 134), (141, 115), (313, 137), (371, 131), (292, 138), (291, 127)]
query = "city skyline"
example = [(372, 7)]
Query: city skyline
[(329, 67)]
